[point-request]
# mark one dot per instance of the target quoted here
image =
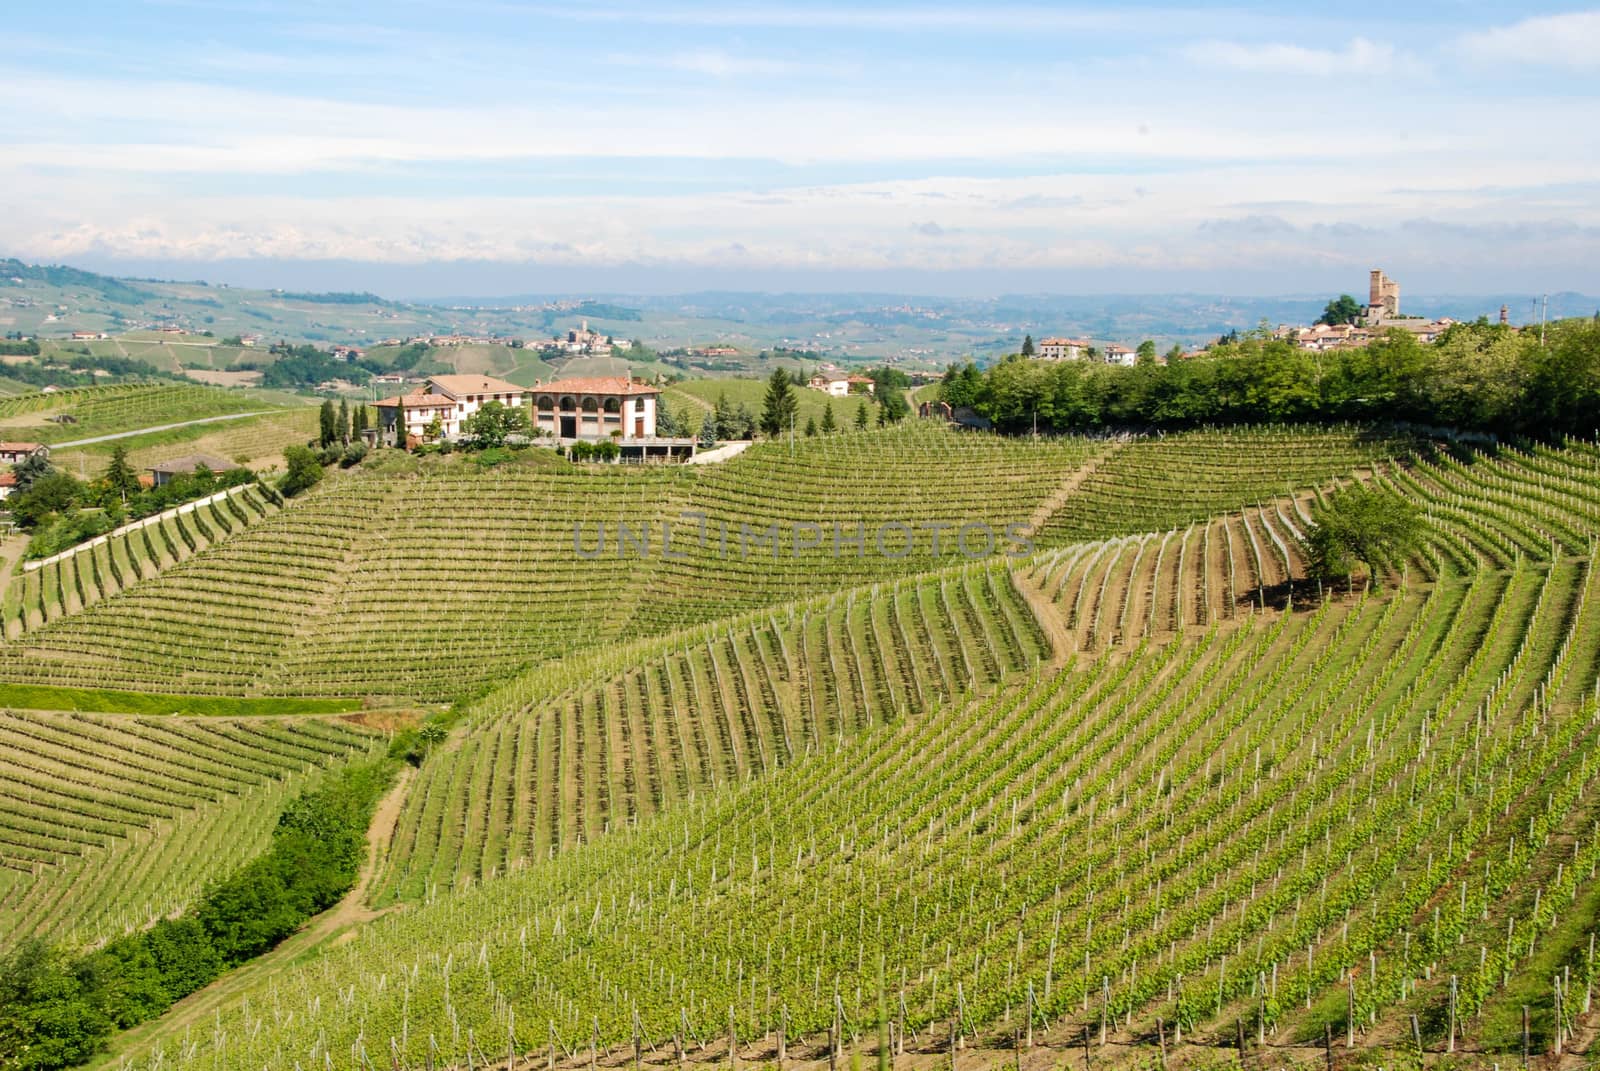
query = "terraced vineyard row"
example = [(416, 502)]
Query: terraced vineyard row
[(123, 407), (1254, 829), (434, 583), (258, 441), (1132, 588), (107, 823), (1174, 481), (720, 704), (64, 587)]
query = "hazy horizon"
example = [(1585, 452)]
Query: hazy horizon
[(897, 146)]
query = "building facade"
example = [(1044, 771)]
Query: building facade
[(451, 399), (1062, 349), (601, 407)]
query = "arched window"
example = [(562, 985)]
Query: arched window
[(613, 405), (546, 402), (638, 406), (567, 404), (590, 405)]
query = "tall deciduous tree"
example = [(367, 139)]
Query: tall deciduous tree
[(1359, 524), (1343, 309)]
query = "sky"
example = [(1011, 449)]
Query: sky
[(488, 146)]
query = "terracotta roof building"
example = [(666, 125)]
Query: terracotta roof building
[(167, 470), (598, 407), (449, 398), (15, 453)]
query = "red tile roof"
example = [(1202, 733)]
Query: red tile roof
[(18, 448), (456, 386), (417, 401), (616, 385)]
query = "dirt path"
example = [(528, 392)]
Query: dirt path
[(159, 427), (331, 925), (1073, 481), (1044, 611)]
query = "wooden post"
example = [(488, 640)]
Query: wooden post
[(1524, 1036), (1416, 1034), (1086, 1060), (733, 1041), (1105, 1004), (552, 1061), (677, 1048), (1327, 1043), (1161, 1039), (1239, 1039), (783, 1034), (594, 1045), (833, 1044), (1030, 1016), (1450, 1042)]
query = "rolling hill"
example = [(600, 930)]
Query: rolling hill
[(1139, 791)]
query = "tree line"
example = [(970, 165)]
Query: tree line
[(1479, 376)]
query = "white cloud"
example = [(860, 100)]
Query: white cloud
[(1571, 40), (1360, 56)]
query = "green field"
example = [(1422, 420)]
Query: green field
[(1139, 772), (88, 412)]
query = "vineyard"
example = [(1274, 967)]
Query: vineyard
[(647, 728), (1324, 821), (435, 581), (254, 441), (109, 823), (116, 408), (102, 568), (1137, 792)]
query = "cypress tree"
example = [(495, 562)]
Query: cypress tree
[(327, 431), (828, 423), (861, 416), (343, 422)]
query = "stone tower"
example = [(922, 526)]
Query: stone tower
[(1384, 297)]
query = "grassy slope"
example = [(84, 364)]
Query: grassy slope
[(699, 395)]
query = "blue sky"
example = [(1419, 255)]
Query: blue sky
[(1248, 148)]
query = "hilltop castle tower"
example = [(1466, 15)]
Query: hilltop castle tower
[(1383, 301)]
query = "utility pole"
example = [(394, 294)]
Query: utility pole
[(1544, 311)]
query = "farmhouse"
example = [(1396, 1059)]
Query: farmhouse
[(840, 384), (16, 453), (1062, 349), (186, 465), (596, 408), (449, 398), (8, 484), (1122, 355)]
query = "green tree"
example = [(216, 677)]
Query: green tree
[(435, 429), (708, 431), (342, 422), (328, 429), (1027, 345), (1359, 524), (54, 493), (811, 427), (358, 421), (303, 470), (48, 1017), (120, 477), (494, 422), (861, 415), (781, 406), (31, 468), (1145, 352), (1343, 309), (829, 425)]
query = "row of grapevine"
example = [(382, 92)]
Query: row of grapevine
[(1296, 822), (715, 705), (106, 823), (36, 597)]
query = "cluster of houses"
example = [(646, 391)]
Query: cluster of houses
[(583, 342), (619, 409), (838, 383), (1380, 316), (1077, 349)]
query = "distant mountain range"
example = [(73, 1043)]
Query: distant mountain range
[(54, 301)]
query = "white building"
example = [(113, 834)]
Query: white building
[(1121, 355), (842, 384), (600, 407), (449, 398), (1062, 349)]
